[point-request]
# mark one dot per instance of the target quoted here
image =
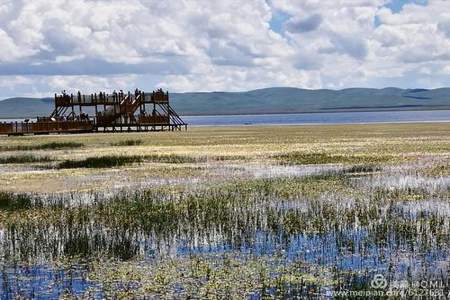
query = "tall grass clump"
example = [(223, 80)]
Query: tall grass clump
[(122, 160), (128, 143), (10, 201), (24, 159), (46, 146), (173, 158), (363, 169), (229, 157), (300, 158), (101, 162), (59, 145)]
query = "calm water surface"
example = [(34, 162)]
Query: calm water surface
[(315, 118), (322, 118)]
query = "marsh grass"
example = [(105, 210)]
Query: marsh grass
[(239, 210), (229, 157), (211, 277), (10, 201), (45, 146), (173, 158), (106, 161), (128, 143), (318, 213), (366, 168), (437, 171), (24, 159), (123, 160), (174, 239), (300, 158)]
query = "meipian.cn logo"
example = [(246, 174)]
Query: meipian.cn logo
[(379, 282)]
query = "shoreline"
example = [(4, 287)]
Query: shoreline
[(324, 124), (331, 111)]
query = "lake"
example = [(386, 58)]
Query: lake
[(315, 118), (322, 118)]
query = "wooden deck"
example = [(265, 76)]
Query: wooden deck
[(116, 112)]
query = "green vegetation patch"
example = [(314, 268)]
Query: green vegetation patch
[(24, 159), (407, 194), (10, 201), (363, 169), (128, 143), (122, 160), (46, 146), (300, 158), (173, 158), (207, 277), (437, 171), (106, 161), (229, 157)]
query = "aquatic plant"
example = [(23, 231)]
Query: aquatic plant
[(210, 277)]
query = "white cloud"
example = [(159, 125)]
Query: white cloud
[(220, 45)]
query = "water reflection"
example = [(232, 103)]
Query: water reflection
[(350, 234), (44, 282)]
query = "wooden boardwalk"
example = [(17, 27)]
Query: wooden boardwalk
[(116, 112)]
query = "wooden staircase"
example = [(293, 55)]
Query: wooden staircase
[(126, 108)]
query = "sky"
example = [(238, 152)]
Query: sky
[(47, 46)]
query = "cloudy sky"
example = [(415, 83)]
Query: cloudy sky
[(204, 45)]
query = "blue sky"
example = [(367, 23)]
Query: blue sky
[(280, 17), (397, 5), (228, 45)]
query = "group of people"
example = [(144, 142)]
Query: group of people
[(103, 96)]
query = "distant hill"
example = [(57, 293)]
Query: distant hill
[(271, 100), (25, 107)]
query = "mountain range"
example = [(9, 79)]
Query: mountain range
[(270, 101)]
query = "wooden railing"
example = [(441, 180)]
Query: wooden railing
[(63, 126), (46, 127), (66, 100), (160, 97), (6, 128)]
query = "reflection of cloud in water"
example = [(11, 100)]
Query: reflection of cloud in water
[(212, 172), (14, 169), (404, 182), (274, 171), (417, 208)]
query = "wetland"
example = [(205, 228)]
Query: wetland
[(251, 212)]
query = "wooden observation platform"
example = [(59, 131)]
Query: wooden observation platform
[(116, 112)]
